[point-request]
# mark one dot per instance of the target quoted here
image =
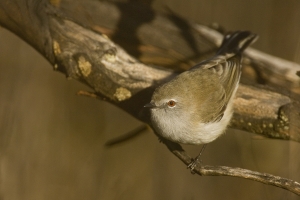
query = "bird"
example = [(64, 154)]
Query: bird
[(196, 106)]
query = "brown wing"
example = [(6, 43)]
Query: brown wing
[(221, 74), (227, 65), (228, 68)]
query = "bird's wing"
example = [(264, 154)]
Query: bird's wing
[(227, 65), (227, 62), (228, 69)]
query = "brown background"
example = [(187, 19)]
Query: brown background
[(52, 141)]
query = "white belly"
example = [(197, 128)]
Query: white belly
[(185, 133)]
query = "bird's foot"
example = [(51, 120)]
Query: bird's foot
[(194, 164), (161, 140), (196, 161)]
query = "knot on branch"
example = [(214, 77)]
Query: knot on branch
[(110, 54)]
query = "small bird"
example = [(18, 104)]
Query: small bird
[(196, 106)]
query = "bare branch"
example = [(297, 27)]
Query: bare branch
[(206, 170)]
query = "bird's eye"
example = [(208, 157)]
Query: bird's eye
[(171, 103)]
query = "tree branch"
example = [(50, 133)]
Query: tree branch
[(206, 170), (275, 71), (95, 60)]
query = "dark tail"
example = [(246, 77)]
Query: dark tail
[(237, 42)]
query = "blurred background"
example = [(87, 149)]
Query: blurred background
[(52, 142)]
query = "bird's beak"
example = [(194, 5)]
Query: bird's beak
[(150, 105)]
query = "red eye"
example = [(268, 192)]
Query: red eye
[(171, 103)]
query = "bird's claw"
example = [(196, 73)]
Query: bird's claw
[(193, 165), (195, 161)]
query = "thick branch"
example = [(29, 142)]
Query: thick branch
[(29, 21), (95, 60), (92, 58)]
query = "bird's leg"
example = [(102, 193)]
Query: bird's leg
[(194, 162)]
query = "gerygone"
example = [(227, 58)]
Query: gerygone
[(195, 107)]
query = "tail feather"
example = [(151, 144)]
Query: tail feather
[(237, 42)]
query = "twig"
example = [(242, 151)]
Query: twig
[(206, 170), (129, 135), (87, 94)]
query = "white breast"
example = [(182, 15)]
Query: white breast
[(175, 130)]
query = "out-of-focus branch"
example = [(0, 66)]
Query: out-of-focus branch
[(274, 70)]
